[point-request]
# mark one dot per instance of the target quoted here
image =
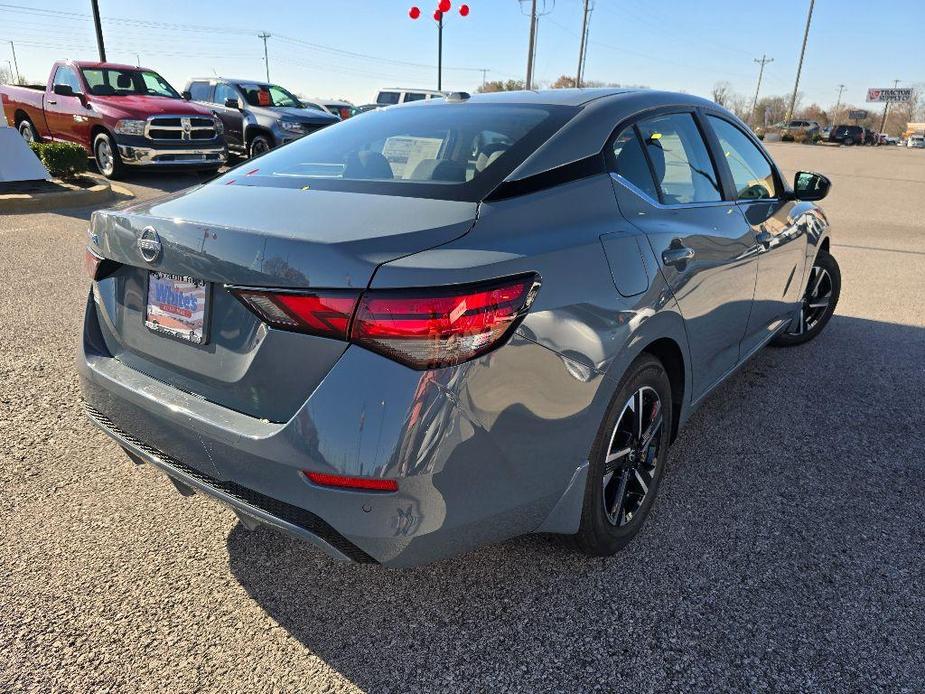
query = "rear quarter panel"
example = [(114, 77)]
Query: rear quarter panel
[(28, 100)]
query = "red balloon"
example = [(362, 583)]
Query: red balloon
[(438, 15), (464, 10), (444, 6), (414, 12)]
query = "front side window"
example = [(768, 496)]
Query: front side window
[(680, 160), (751, 171), (415, 96), (66, 77), (436, 151), (113, 82), (199, 91), (631, 164), (223, 92)]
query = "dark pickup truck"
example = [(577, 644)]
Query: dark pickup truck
[(122, 115)]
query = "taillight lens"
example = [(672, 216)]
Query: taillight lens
[(321, 313), (421, 328), (432, 328), (368, 484)]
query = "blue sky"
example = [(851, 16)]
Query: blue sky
[(336, 48)]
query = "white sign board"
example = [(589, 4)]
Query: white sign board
[(17, 161), (889, 95)]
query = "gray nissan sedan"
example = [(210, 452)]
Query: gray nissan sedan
[(448, 323)]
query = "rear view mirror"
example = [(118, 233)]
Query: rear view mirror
[(63, 90), (810, 186)]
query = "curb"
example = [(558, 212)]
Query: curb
[(19, 203)]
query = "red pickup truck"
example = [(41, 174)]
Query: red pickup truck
[(122, 115)]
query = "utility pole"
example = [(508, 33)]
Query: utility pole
[(99, 30), (529, 80), (15, 64), (440, 52), (796, 84), (484, 72), (841, 90), (762, 62), (886, 107), (266, 57), (581, 46)]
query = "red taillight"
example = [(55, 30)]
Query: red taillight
[(92, 263), (421, 328), (324, 313), (432, 328), (369, 484)]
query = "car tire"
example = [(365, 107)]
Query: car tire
[(27, 130), (624, 470), (107, 157), (259, 144), (818, 305)]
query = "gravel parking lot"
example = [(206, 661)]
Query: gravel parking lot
[(785, 550)]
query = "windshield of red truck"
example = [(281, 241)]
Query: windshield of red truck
[(111, 82)]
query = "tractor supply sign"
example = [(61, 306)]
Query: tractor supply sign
[(889, 96)]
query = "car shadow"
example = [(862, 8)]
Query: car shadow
[(767, 521)]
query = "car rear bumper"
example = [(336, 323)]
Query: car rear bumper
[(480, 453)]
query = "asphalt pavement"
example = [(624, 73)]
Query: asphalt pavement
[(786, 550)]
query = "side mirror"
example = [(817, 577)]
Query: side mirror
[(63, 90), (810, 186), (231, 102), (186, 95)]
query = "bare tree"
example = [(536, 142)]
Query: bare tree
[(723, 93), (502, 86)]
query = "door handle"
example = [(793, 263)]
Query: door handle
[(51, 101), (677, 255)]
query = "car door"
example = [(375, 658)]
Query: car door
[(232, 118), (667, 185), (780, 240), (67, 117)]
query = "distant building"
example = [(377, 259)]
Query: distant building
[(914, 129)]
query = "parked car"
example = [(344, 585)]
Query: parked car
[(916, 142), (449, 323), (847, 135), (397, 95), (808, 127), (257, 116), (123, 116)]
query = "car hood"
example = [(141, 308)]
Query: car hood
[(144, 106), (303, 115), (281, 237)]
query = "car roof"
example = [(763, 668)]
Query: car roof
[(112, 66), (550, 97)]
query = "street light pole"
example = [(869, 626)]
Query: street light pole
[(764, 61), (796, 84), (99, 30)]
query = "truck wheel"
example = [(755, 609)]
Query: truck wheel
[(27, 130), (107, 157), (259, 145)]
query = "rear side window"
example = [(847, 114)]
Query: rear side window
[(631, 164), (679, 157), (387, 98), (751, 171), (414, 96), (199, 91)]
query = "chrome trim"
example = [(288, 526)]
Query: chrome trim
[(146, 156), (185, 128)]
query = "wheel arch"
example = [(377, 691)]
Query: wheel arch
[(19, 116), (669, 353), (252, 130)]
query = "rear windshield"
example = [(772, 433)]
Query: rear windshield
[(433, 150), (111, 82)]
